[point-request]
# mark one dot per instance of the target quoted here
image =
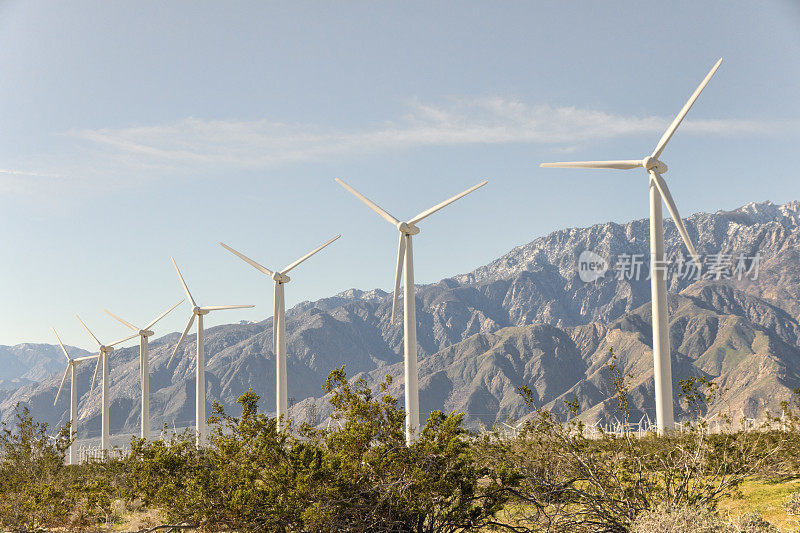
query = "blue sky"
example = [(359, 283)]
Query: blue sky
[(132, 131)]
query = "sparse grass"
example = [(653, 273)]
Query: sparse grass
[(763, 497), (138, 520)]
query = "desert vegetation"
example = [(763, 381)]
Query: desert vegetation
[(360, 476)]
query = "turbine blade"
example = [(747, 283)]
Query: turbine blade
[(81, 359), (88, 330), (61, 344), (223, 307), (432, 210), (162, 315), (401, 256), (183, 336), (96, 368), (675, 123), (66, 373), (118, 319), (309, 254), (372, 205), (123, 340), (246, 259), (625, 164), (673, 210), (185, 288)]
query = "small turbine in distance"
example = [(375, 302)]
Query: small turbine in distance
[(73, 396), (279, 325), (102, 357), (200, 370), (144, 373)]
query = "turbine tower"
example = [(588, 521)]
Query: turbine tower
[(200, 370), (144, 372), (405, 259), (102, 357), (662, 367), (279, 325), (73, 396)]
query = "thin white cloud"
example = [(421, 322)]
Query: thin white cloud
[(195, 141), (10, 172), (25, 181)]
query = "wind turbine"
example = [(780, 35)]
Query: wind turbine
[(144, 372), (73, 396), (102, 357), (200, 370), (658, 285), (279, 324), (405, 259)]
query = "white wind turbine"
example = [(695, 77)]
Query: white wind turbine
[(405, 259), (144, 372), (102, 357), (658, 192), (279, 325), (200, 370), (73, 396)]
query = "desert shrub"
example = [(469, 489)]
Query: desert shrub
[(569, 481), (750, 523), (697, 519), (31, 467), (359, 477), (383, 485), (162, 473), (792, 507), (684, 519)]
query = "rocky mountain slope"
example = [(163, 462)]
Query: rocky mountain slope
[(526, 318)]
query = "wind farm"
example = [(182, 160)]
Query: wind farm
[(554, 355)]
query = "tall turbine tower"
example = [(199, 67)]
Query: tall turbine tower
[(405, 259), (102, 357), (73, 396), (144, 372), (200, 370), (662, 367), (279, 326)]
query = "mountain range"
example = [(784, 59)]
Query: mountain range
[(527, 318)]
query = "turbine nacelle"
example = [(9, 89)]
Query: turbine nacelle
[(651, 163), (197, 311), (407, 229), (281, 278), (146, 333)]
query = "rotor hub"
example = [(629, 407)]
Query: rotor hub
[(407, 229), (281, 278), (651, 163)]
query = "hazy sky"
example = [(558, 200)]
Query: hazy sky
[(132, 131)]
